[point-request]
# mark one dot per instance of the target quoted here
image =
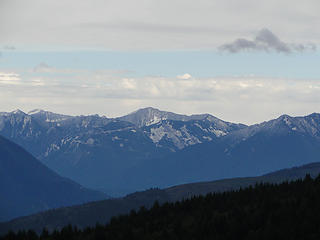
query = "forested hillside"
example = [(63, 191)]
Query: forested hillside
[(266, 211), (87, 215)]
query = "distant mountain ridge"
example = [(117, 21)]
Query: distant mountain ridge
[(101, 211), (48, 116), (95, 151), (27, 186), (257, 149), (150, 147), (308, 125), (149, 116)]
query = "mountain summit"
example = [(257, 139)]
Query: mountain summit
[(148, 116), (48, 116)]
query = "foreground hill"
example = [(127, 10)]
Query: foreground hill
[(267, 211), (102, 211), (27, 186)]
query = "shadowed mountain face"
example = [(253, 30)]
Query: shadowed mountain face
[(27, 186), (101, 211)]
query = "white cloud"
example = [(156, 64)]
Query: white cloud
[(185, 76), (246, 99), (37, 82), (129, 83), (9, 78)]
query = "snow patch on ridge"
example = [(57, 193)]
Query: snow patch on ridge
[(154, 120), (179, 137), (35, 111), (218, 133), (157, 134)]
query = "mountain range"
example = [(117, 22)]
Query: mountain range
[(27, 186), (98, 151), (153, 148), (102, 211)]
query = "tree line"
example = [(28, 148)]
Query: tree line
[(290, 210)]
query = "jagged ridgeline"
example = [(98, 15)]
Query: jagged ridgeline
[(153, 148), (266, 211), (102, 153)]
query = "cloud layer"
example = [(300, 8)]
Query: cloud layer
[(152, 24), (246, 99), (265, 40), (185, 76), (9, 78)]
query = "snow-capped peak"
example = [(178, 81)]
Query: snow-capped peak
[(149, 116), (47, 116), (18, 111), (35, 111)]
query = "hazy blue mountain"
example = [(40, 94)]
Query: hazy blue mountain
[(27, 186), (101, 211), (150, 147), (258, 149), (98, 151)]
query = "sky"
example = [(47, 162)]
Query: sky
[(242, 61)]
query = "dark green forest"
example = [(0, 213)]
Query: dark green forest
[(290, 210)]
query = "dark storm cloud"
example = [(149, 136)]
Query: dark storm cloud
[(265, 40)]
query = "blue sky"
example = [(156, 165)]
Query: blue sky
[(210, 63)]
